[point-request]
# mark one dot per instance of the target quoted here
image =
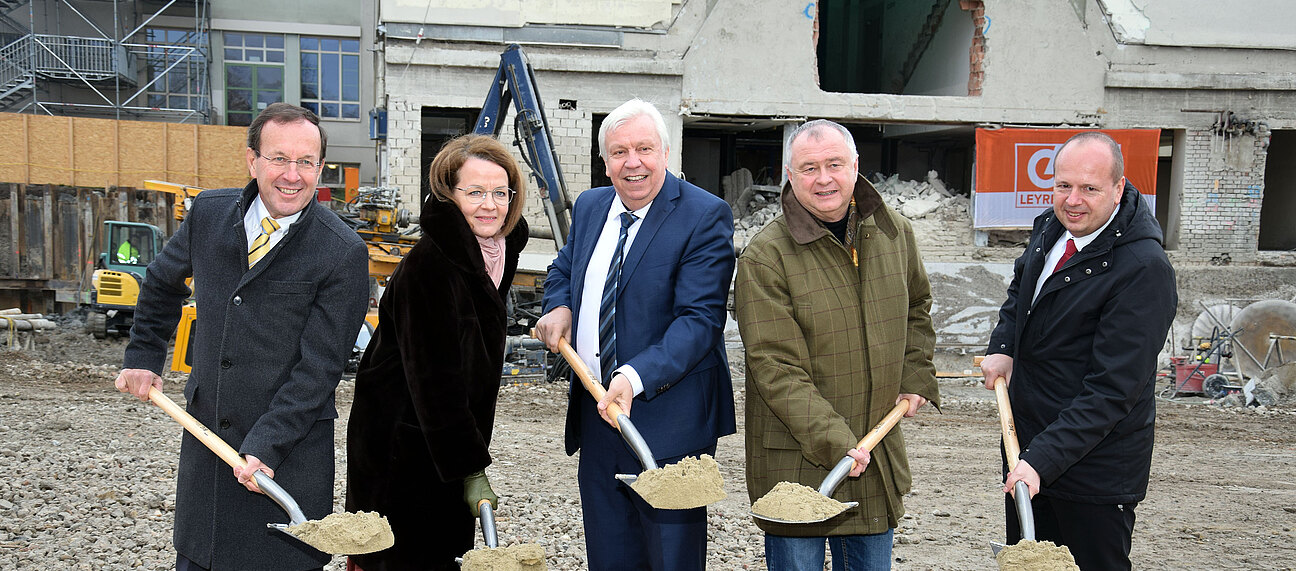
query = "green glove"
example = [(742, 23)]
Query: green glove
[(476, 489)]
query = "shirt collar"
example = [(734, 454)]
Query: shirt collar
[(1085, 240)]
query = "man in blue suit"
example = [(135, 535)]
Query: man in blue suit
[(642, 284)]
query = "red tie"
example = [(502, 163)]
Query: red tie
[(1066, 255)]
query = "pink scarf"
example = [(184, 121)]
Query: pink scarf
[(492, 250)]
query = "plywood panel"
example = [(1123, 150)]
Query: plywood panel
[(13, 156), (100, 153), (142, 154), (49, 140), (182, 154), (222, 157), (94, 152)]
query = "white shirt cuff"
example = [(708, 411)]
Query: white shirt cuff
[(631, 375)]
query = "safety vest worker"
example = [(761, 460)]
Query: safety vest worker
[(127, 254)]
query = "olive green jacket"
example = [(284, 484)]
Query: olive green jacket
[(829, 348)]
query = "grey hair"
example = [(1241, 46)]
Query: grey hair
[(1098, 137), (815, 129), (624, 113)]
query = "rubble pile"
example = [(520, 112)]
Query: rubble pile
[(938, 214)]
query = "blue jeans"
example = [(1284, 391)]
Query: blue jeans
[(849, 552)]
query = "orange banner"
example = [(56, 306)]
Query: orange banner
[(1014, 170)]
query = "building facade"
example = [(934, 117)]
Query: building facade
[(912, 80)]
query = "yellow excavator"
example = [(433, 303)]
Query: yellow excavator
[(122, 264), (375, 214)]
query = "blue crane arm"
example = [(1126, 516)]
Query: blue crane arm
[(515, 81)]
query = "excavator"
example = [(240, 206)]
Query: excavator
[(122, 264)]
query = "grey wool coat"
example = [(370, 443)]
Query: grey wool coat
[(830, 345), (269, 347)]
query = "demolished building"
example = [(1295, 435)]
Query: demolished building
[(912, 80)]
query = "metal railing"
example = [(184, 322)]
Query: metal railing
[(71, 57), (15, 60)]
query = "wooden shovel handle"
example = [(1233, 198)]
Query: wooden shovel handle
[(586, 377), (207, 437), (883, 427), (1011, 448)]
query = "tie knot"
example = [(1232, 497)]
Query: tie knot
[(627, 218), (1070, 248), (268, 225)]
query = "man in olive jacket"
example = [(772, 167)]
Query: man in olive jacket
[(1091, 300), (834, 310), (280, 304)]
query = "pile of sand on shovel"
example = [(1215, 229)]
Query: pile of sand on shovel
[(687, 484), (1029, 555), (524, 557), (789, 501), (346, 533)]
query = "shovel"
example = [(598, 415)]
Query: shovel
[(1021, 493), (487, 519), (692, 497), (263, 481), (844, 465)]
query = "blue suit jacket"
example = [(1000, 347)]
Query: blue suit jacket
[(670, 313)]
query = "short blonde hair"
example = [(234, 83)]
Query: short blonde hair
[(443, 174)]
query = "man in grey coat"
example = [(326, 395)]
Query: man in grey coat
[(282, 287)]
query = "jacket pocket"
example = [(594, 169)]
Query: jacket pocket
[(779, 440), (279, 287)]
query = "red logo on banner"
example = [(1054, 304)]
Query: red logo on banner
[(1033, 174)]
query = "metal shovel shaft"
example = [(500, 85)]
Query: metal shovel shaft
[(488, 523), (623, 424), (228, 454), (281, 497)]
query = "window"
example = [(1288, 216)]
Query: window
[(330, 77), (182, 51), (254, 75), (332, 173)]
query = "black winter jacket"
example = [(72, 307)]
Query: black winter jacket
[(1085, 355)]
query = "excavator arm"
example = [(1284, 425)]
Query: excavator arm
[(515, 82)]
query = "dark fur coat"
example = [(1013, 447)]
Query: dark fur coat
[(425, 393)]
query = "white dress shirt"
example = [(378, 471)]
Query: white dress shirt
[(1059, 247), (587, 336), (252, 223)]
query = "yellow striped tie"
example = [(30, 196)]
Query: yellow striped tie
[(262, 244)]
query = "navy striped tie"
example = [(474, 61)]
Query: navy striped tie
[(607, 306)]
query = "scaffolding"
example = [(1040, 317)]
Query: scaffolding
[(120, 69)]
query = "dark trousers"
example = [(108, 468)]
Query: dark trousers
[(623, 532), (184, 564), (1098, 535)]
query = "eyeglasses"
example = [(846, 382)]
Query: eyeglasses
[(477, 194), (281, 163), (832, 168)]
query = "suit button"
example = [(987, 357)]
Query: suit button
[(224, 423), (238, 300), (225, 364)]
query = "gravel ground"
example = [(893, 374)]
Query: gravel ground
[(90, 475)]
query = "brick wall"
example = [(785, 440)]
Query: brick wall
[(1223, 185), (570, 129)]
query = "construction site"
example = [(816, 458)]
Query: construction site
[(119, 112)]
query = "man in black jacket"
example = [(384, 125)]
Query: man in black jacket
[(1090, 303), (282, 289)]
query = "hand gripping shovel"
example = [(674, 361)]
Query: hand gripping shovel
[(694, 483), (361, 533), (1021, 493), (843, 467)]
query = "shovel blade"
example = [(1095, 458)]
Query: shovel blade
[(628, 478), (996, 547), (845, 507)]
